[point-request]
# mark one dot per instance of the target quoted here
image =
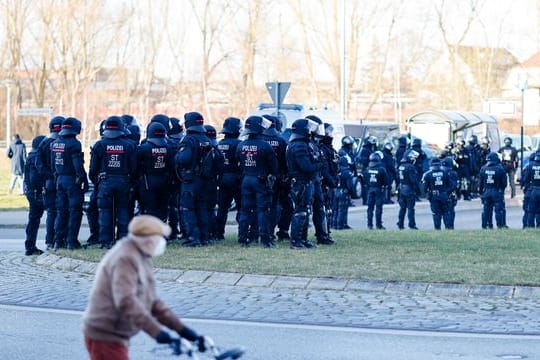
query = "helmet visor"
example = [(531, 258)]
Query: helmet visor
[(265, 123)]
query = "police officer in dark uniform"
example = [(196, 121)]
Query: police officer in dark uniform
[(258, 164), (193, 164), (493, 182), (485, 149), (390, 167), (211, 184), (474, 152), (155, 172), (438, 182), (45, 167), (377, 179), (368, 147), (304, 165), (509, 156), (330, 179), (280, 191), (320, 221), (531, 180), (464, 163), (71, 184), (133, 131), (342, 197), (448, 164), (174, 135), (403, 144), (33, 185), (92, 210), (408, 189), (229, 180), (419, 163), (113, 168)]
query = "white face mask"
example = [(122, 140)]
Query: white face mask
[(160, 247)]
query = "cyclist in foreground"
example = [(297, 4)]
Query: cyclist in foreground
[(123, 298)]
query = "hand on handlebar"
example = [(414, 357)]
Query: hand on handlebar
[(190, 334)]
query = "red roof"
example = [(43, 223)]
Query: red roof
[(532, 62)]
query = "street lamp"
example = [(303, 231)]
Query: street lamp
[(7, 83)]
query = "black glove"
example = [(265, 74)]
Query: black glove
[(163, 337), (189, 334)]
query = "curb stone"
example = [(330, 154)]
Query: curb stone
[(308, 283)]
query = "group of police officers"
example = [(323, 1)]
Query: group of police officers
[(190, 180)]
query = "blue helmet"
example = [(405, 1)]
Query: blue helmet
[(435, 163), (162, 119), (193, 121), (493, 159), (231, 126), (176, 129), (256, 125), (70, 126), (302, 128), (156, 134), (36, 141), (55, 124), (114, 127)]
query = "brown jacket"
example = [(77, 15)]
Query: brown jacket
[(123, 299)]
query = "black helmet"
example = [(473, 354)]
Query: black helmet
[(460, 141), (156, 134), (256, 124), (507, 141), (134, 133), (411, 156), (493, 159), (231, 126), (271, 131), (128, 120), (417, 142), (473, 139), (450, 145), (447, 162), (55, 124), (319, 130), (536, 155), (210, 131), (435, 162), (193, 121), (404, 140), (162, 119), (371, 140), (102, 126), (302, 128), (70, 126), (36, 141), (114, 127), (328, 130), (485, 140), (388, 146), (176, 129), (374, 157), (347, 141)]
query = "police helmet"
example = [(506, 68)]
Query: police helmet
[(128, 120), (193, 121), (302, 128), (156, 133), (507, 141), (210, 131), (347, 141), (473, 139), (55, 124), (493, 158), (447, 162), (36, 141), (271, 131), (374, 157), (450, 145), (102, 126), (319, 130), (388, 146), (134, 133), (417, 142), (411, 156), (404, 140), (231, 126), (435, 162), (256, 125), (114, 127), (176, 129), (460, 141), (371, 140), (70, 126), (328, 130), (485, 140), (536, 156), (162, 119)]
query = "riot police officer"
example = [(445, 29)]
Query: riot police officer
[(493, 182), (33, 185), (403, 144), (390, 167), (438, 183), (45, 168), (448, 165), (175, 135), (133, 132), (155, 172), (71, 184), (474, 152), (408, 189), (377, 179), (368, 147), (211, 185), (280, 190), (419, 163), (509, 161), (463, 160), (231, 176), (258, 164), (531, 180), (195, 164), (320, 221), (113, 168), (485, 149), (342, 197), (303, 164)]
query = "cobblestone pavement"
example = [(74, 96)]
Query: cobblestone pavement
[(48, 281)]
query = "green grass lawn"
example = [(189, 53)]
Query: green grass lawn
[(9, 201), (510, 257)]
